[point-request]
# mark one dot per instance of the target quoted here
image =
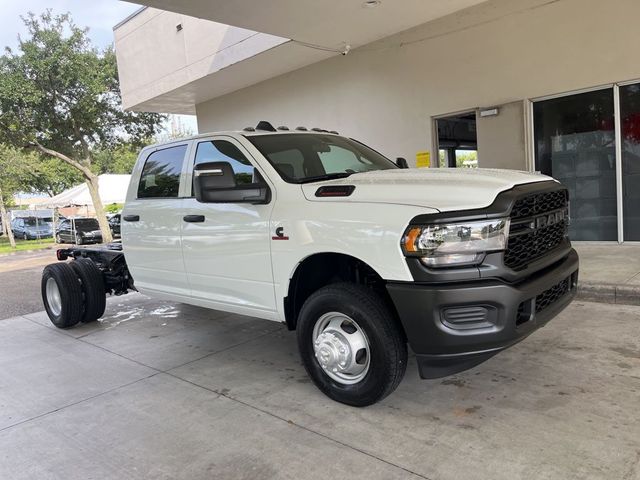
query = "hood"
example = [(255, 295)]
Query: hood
[(443, 189)]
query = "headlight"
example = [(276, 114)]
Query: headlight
[(454, 244)]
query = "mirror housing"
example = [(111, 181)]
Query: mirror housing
[(402, 162), (215, 182)]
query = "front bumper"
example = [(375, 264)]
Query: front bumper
[(455, 326)]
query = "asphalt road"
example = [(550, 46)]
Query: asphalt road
[(20, 282)]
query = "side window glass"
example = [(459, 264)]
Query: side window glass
[(160, 176), (224, 151), (339, 159)]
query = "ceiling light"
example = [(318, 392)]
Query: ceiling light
[(371, 3)]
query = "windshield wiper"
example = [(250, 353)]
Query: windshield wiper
[(327, 176)]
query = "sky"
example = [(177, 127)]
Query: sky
[(99, 15)]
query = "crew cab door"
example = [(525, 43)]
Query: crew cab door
[(152, 219), (226, 246)]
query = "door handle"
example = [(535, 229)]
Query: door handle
[(131, 218), (193, 218)]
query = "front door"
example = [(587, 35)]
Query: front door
[(227, 254)]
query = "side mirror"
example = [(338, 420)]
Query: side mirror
[(215, 182), (402, 162)]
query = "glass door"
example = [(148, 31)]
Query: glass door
[(630, 135), (575, 143)]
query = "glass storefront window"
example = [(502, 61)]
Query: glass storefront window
[(575, 143), (630, 125)]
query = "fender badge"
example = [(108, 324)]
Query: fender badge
[(280, 234)]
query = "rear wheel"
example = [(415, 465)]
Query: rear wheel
[(62, 295), (351, 345), (78, 239), (93, 290), (25, 236), (58, 239)]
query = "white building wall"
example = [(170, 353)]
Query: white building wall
[(504, 51)]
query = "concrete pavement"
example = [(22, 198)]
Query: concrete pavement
[(161, 390)]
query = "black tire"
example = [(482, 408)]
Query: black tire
[(25, 236), (92, 284), (58, 239), (69, 311), (388, 348), (78, 239)]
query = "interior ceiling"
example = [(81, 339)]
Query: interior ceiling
[(328, 23)]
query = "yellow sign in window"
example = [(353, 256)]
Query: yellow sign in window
[(423, 159)]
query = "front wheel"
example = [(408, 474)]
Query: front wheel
[(78, 239), (351, 344)]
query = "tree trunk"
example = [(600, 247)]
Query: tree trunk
[(5, 221), (94, 189)]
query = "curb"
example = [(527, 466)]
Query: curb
[(608, 293)]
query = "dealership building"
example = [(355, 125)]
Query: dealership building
[(540, 85)]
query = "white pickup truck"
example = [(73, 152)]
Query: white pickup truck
[(359, 256)]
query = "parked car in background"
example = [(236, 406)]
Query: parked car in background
[(114, 224), (31, 228), (79, 231)]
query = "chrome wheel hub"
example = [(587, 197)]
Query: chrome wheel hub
[(53, 296), (341, 348)]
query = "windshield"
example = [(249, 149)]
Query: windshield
[(301, 158)]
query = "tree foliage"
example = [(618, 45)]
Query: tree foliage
[(60, 96), (120, 159)]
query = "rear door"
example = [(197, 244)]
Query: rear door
[(151, 222), (227, 254)]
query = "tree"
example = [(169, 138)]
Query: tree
[(116, 160), (60, 96), (14, 169), (51, 176)]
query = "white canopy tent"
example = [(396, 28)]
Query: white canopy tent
[(113, 189)]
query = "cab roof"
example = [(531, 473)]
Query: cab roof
[(263, 128)]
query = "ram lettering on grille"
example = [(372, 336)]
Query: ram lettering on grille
[(539, 224)]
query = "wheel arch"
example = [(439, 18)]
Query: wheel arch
[(324, 268)]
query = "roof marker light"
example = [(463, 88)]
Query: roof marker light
[(263, 125)]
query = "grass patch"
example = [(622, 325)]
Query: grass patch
[(22, 245)]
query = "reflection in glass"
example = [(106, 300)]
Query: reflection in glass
[(575, 143), (630, 122)]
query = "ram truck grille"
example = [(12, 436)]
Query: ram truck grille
[(539, 223)]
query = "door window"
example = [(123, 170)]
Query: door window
[(225, 151), (575, 143), (160, 176)]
